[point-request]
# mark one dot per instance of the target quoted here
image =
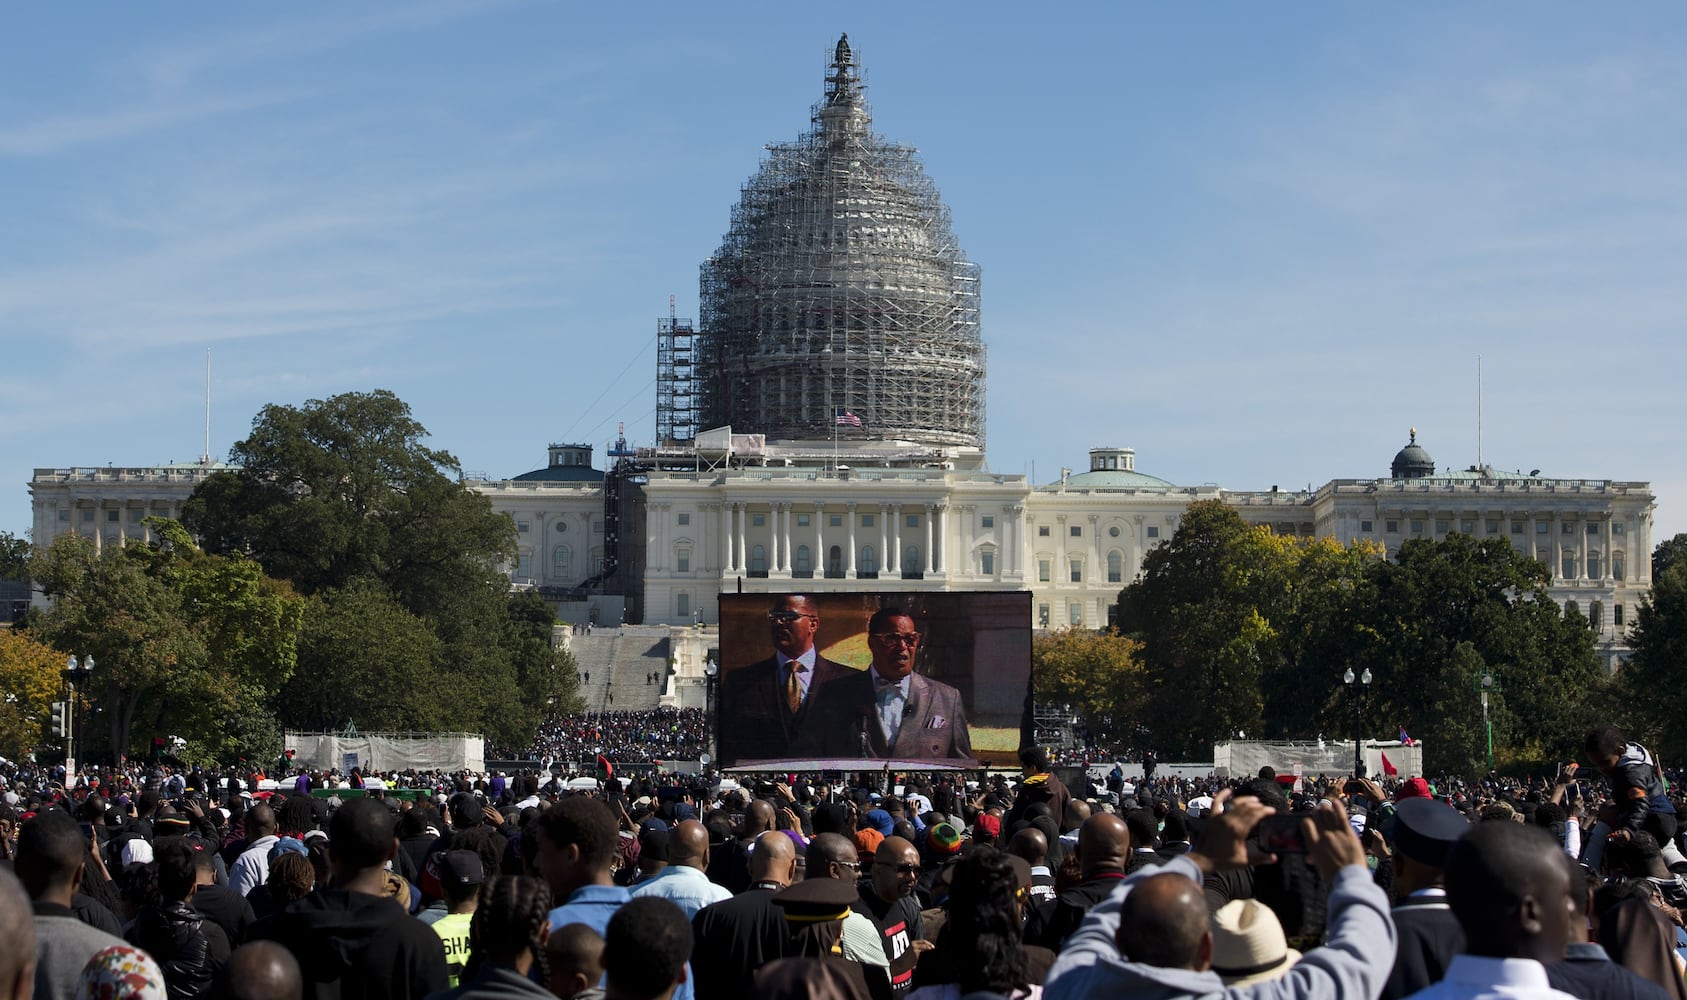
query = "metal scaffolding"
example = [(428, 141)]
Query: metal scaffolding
[(840, 293), (676, 380)]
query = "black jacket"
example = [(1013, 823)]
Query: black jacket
[(352, 944), (734, 938), (1052, 923), (496, 982), (188, 948), (1428, 938)]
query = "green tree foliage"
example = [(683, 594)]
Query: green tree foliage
[(186, 643), (14, 557), (411, 623), (1668, 553), (1653, 683), (30, 680), (1246, 631), (1098, 673)]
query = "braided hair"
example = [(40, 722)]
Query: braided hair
[(509, 916)]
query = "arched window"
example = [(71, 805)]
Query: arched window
[(758, 559), (562, 562), (911, 559), (1570, 606), (1568, 567), (1596, 615), (1592, 565), (834, 562), (1618, 566), (866, 563), (803, 564), (1115, 567)]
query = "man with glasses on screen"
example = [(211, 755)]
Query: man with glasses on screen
[(887, 711), (763, 706)]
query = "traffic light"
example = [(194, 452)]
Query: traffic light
[(61, 718)]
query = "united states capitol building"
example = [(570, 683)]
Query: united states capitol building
[(821, 427)]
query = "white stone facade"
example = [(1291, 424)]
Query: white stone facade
[(109, 504)]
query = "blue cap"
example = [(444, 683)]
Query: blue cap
[(880, 820), (1425, 830)]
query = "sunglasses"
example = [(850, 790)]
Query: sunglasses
[(786, 617), (904, 638)]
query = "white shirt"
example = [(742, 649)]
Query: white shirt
[(892, 699), (1470, 977), (251, 869)]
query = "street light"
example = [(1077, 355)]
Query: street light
[(1358, 690), (76, 674), (711, 670), (1487, 685)]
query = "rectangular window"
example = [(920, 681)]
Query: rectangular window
[(866, 520), (758, 520), (682, 604), (1517, 527), (1493, 527), (1075, 614), (1619, 565), (1593, 528), (685, 519), (835, 520), (1077, 571), (524, 565), (1042, 531), (1417, 526), (112, 516), (523, 526), (1043, 615), (137, 515), (913, 520), (1543, 528), (682, 562), (87, 517), (987, 563), (1593, 565), (1153, 531), (1569, 566), (1468, 527), (64, 516), (1365, 527), (1566, 528), (1077, 532), (1043, 570), (1617, 615), (1441, 526), (1616, 527), (1392, 527), (803, 521), (988, 521)]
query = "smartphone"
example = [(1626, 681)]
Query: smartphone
[(1281, 834)]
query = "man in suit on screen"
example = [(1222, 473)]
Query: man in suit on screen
[(887, 711), (763, 706)]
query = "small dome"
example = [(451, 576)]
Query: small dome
[(1413, 462)]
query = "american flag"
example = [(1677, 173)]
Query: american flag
[(846, 419)]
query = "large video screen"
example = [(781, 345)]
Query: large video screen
[(850, 680)]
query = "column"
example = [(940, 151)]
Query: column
[(818, 563), (725, 538), (1098, 565), (940, 553), (1581, 547), (740, 517), (785, 538), (849, 556), (930, 559), (896, 536), (885, 566)]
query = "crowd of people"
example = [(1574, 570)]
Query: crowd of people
[(659, 734), (151, 883)]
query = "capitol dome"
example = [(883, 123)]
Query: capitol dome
[(840, 299), (1412, 462)]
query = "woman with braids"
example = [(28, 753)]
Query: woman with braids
[(507, 941), (979, 948)]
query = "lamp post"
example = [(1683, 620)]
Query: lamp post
[(76, 674), (711, 670), (1358, 689), (1487, 685)]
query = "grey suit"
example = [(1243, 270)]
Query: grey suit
[(843, 722)]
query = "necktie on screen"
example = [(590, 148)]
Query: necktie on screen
[(793, 686)]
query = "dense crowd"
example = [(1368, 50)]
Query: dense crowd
[(661, 734), (146, 882)]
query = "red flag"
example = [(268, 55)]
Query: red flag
[(1388, 769), (605, 770)]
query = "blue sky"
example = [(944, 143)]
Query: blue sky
[(1254, 243)]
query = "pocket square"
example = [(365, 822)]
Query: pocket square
[(936, 722)]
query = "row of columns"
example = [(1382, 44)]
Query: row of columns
[(890, 540)]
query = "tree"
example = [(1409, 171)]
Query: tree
[(186, 643), (14, 557), (30, 680), (343, 489), (1653, 683), (364, 659), (1668, 553), (1098, 673)]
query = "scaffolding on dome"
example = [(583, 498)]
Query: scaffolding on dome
[(839, 301), (676, 380)]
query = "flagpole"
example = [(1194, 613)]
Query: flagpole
[(834, 444)]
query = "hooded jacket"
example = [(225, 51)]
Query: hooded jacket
[(189, 950), (352, 944), (1637, 785), (1355, 962)]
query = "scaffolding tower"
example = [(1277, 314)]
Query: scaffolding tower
[(839, 297), (676, 380)]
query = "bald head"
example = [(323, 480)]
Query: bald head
[(17, 929), (688, 844), (1104, 844), (831, 855), (260, 821), (1077, 811), (1163, 923), (1510, 892), (896, 868), (773, 859), (263, 970), (758, 818), (1031, 845)]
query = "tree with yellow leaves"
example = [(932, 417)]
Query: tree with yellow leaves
[(29, 684)]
